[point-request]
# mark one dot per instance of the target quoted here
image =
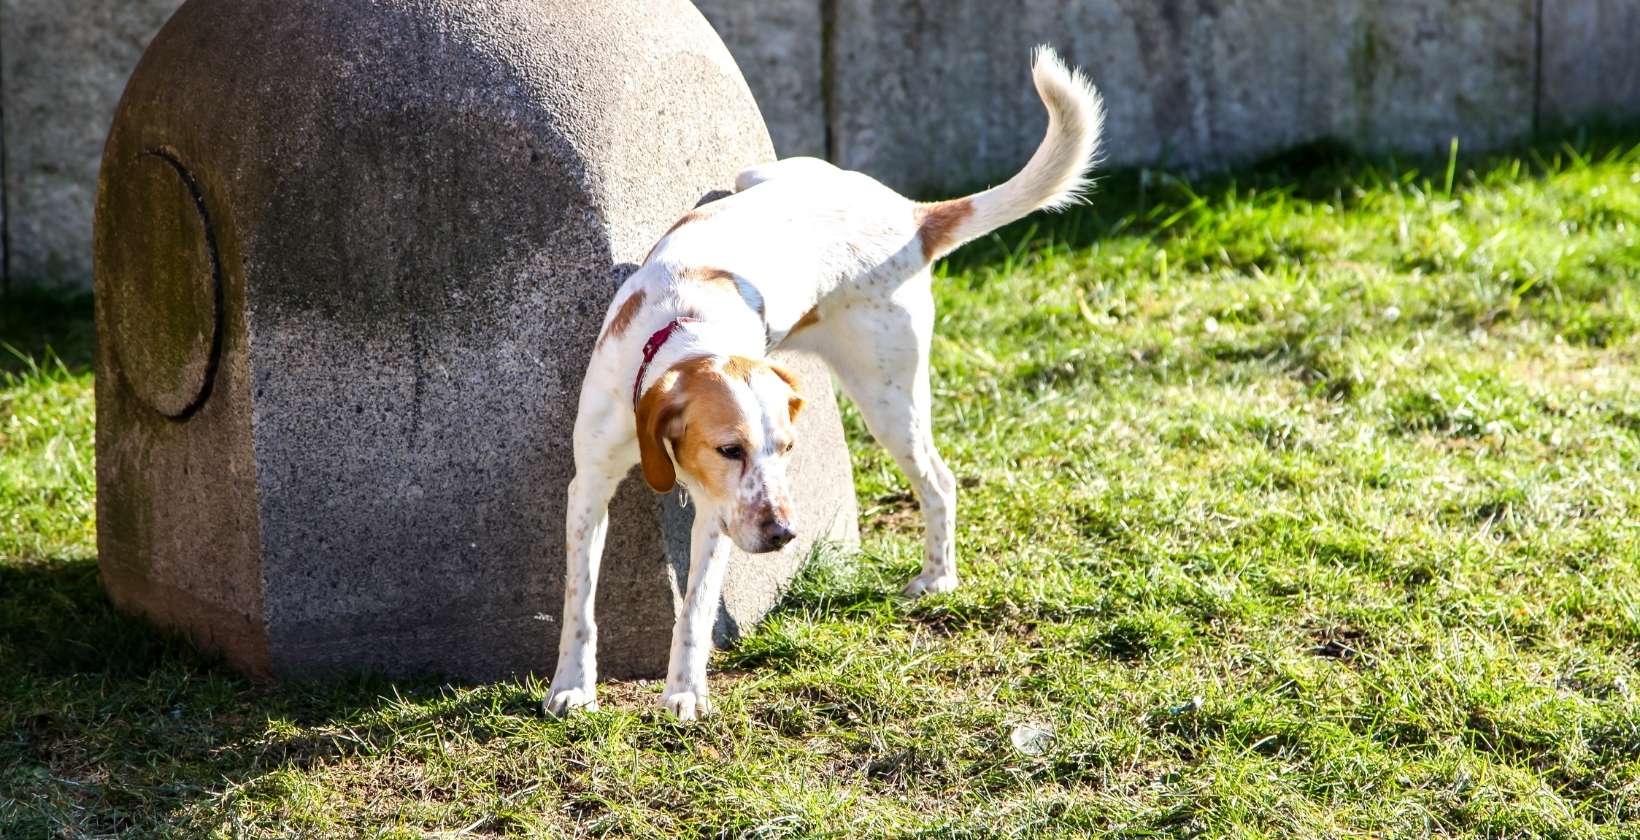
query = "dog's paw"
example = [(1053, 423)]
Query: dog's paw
[(930, 584), (686, 705), (560, 702)]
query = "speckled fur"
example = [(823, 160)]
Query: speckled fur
[(803, 256)]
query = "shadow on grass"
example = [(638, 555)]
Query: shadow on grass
[(56, 622), (40, 324), (839, 581), (114, 728)]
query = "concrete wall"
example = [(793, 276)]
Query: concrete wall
[(778, 46), (63, 64), (932, 95), (1190, 82), (1590, 65)]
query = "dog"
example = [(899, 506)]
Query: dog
[(802, 256)]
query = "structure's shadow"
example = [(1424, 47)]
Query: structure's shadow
[(109, 727), (43, 326)]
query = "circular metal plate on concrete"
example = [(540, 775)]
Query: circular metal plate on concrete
[(164, 280)]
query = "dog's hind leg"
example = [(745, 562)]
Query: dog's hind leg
[(879, 351)]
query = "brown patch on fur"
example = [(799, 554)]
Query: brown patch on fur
[(713, 418), (656, 415), (743, 368), (701, 213), (795, 405), (710, 276), (692, 408), (809, 319), (726, 281), (691, 216), (937, 225), (623, 317)]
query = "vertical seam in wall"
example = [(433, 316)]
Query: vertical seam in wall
[(828, 76), (1537, 68)]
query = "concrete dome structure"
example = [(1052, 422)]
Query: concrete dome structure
[(351, 257)]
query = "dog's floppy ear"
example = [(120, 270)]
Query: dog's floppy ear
[(791, 382), (657, 410)]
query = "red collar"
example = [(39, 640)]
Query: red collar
[(652, 347)]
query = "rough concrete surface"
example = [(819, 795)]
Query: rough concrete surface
[(62, 66), (1591, 61), (414, 213), (927, 88), (777, 44), (932, 95)]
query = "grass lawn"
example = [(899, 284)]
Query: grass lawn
[(1299, 502)]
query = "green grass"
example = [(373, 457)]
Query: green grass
[(1299, 502)]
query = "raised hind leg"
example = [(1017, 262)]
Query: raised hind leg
[(879, 350)]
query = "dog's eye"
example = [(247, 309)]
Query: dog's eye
[(733, 453)]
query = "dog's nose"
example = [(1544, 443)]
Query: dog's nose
[(777, 532)]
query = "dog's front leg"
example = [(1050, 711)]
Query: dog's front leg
[(692, 634), (586, 522)]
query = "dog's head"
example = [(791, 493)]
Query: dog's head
[(729, 423)]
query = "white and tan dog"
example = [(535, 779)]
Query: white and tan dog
[(803, 256)]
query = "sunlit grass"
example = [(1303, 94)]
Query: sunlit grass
[(1297, 502)]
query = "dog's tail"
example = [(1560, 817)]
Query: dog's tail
[(1055, 177)]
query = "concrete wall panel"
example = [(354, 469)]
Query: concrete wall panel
[(777, 44), (1591, 61), (63, 64), (932, 95)]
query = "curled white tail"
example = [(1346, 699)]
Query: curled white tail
[(1055, 177)]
